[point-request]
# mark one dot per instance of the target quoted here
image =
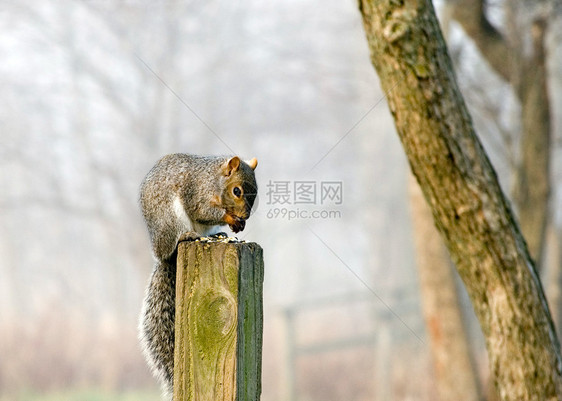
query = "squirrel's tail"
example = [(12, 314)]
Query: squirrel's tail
[(156, 328)]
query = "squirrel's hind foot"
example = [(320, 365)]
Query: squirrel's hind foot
[(189, 236)]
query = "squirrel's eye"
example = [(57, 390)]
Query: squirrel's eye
[(237, 192)]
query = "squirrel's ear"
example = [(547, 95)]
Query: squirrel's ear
[(231, 165), (253, 163)]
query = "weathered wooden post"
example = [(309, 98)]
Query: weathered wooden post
[(219, 321)]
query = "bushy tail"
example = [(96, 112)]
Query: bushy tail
[(157, 323)]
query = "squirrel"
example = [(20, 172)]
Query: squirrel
[(185, 196)]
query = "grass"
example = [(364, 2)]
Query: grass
[(86, 395)]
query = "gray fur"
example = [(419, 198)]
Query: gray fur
[(191, 182)]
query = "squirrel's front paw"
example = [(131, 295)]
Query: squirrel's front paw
[(189, 236), (238, 225), (235, 223)]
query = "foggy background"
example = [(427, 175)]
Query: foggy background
[(93, 93)]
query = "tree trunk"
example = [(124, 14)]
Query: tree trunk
[(455, 376), (528, 77), (532, 185), (468, 206), (554, 273)]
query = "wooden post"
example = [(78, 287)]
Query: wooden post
[(219, 321)]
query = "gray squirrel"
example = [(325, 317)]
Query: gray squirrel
[(185, 196)]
